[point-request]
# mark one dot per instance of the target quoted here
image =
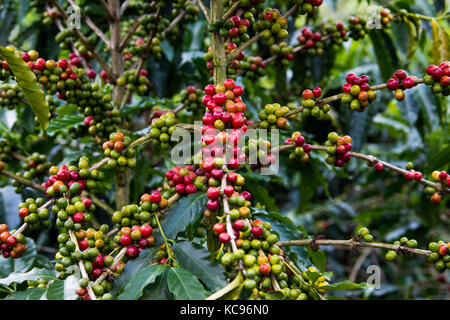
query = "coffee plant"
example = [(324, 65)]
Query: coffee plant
[(298, 121)]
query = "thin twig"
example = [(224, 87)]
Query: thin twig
[(352, 243), (175, 21), (205, 10)]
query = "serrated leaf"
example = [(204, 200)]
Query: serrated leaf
[(65, 122), (29, 294), (196, 259), (29, 85), (183, 215), (184, 285), (345, 285), (63, 290), (33, 274), (133, 289)]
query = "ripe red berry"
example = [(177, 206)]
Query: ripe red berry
[(443, 175), (212, 204), (132, 251), (224, 237), (155, 197), (257, 231), (228, 190), (125, 240), (307, 94), (392, 84), (146, 230), (213, 193), (317, 92), (379, 166), (78, 217), (219, 228)]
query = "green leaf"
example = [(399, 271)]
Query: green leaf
[(28, 83), (33, 274), (345, 285), (64, 123), (133, 289), (184, 215), (196, 259), (29, 294), (318, 259), (184, 285), (158, 290), (132, 267), (63, 290), (385, 53)]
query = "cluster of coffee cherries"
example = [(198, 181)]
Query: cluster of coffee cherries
[(438, 78), (162, 126), (258, 153), (74, 213), (141, 214), (101, 291), (283, 51), (311, 105), (358, 28), (69, 82), (131, 82), (163, 254), (121, 155), (150, 26), (338, 151), (412, 174), (308, 6), (234, 183), (135, 239), (312, 42), (225, 109), (72, 179), (11, 245), (191, 97), (39, 283), (10, 95), (272, 25), (262, 260), (338, 33), (253, 67), (440, 255), (183, 181), (33, 213), (399, 83), (357, 93), (302, 150), (35, 164), (5, 148), (441, 177), (363, 233), (404, 243), (385, 18), (273, 116), (236, 29), (191, 15)]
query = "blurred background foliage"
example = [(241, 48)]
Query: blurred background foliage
[(324, 200)]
